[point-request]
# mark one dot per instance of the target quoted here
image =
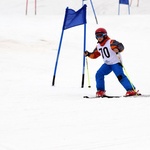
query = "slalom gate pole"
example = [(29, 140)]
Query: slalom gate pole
[(119, 9), (88, 74), (137, 3), (129, 9), (35, 6), (26, 11), (94, 11), (84, 48), (57, 58)]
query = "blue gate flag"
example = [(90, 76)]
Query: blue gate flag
[(74, 18), (124, 2)]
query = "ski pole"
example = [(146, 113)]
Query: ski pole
[(88, 74), (119, 57), (128, 77)]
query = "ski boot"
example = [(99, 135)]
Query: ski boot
[(100, 93), (132, 93)]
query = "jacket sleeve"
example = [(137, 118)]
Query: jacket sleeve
[(116, 45), (94, 54)]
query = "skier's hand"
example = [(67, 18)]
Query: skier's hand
[(116, 50), (86, 53)]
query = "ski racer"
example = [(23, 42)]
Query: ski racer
[(110, 51)]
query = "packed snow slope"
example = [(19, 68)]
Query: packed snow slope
[(37, 116)]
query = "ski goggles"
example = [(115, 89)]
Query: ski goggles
[(100, 35)]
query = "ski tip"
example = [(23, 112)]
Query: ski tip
[(85, 96)]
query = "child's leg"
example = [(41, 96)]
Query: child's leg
[(103, 70), (118, 70)]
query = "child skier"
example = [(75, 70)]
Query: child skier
[(110, 51)]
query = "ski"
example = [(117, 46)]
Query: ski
[(105, 96), (138, 95), (108, 96)]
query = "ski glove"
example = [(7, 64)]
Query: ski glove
[(86, 53)]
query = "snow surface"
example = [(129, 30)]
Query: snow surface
[(37, 116)]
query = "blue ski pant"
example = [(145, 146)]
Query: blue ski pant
[(118, 71)]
